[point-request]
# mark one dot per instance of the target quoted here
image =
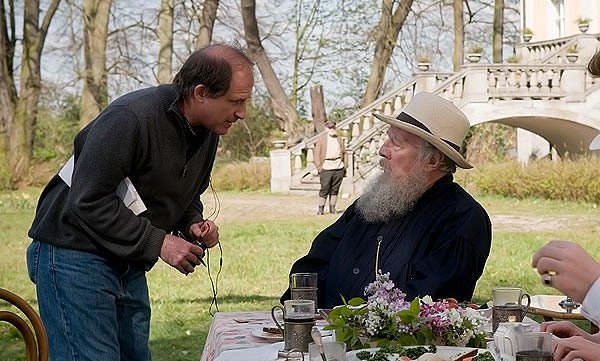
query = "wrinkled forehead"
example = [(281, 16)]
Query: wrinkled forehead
[(242, 82), (397, 134)]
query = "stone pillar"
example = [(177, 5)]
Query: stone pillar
[(347, 186), (572, 83), (476, 84), (281, 170), (424, 81)]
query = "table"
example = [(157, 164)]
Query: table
[(547, 307), (233, 331)]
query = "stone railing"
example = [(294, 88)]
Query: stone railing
[(555, 51), (539, 51)]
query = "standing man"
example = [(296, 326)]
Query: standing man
[(329, 159), (132, 195)]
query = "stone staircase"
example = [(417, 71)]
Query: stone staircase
[(544, 75)]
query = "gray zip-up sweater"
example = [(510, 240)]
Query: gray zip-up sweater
[(141, 135)]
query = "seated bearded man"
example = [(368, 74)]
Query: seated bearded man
[(421, 227)]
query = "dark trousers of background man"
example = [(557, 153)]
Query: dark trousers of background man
[(331, 180)]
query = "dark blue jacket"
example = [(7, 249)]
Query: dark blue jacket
[(438, 249)]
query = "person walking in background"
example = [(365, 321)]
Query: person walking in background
[(330, 162), (129, 195)]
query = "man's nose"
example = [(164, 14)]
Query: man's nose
[(240, 113), (383, 150)]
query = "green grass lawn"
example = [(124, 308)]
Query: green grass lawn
[(257, 255)]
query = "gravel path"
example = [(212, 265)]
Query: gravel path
[(272, 206)]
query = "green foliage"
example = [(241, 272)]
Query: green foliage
[(568, 180), (489, 142), (238, 176), (54, 132), (423, 58), (250, 137), (513, 59), (475, 49), (583, 20)]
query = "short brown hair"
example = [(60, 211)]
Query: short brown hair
[(211, 66)]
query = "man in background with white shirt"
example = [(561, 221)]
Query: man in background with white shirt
[(330, 162)]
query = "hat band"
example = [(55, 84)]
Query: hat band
[(412, 121)]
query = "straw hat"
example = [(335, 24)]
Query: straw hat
[(436, 120)]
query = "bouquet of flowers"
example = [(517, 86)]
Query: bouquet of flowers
[(386, 318)]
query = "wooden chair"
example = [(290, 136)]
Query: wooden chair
[(36, 340)]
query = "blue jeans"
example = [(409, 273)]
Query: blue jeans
[(92, 308)]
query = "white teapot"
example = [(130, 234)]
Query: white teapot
[(505, 338)]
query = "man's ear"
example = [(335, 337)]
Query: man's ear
[(435, 161), (199, 93)]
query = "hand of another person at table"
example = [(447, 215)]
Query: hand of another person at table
[(563, 329), (575, 269), (181, 254), (567, 349), (206, 231)]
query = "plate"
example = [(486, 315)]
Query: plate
[(258, 332), (550, 303), (446, 352)]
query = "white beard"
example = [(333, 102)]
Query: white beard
[(387, 197)]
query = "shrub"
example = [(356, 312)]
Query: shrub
[(475, 49), (582, 21), (250, 137), (572, 49), (238, 176), (568, 180), (423, 59), (513, 59), (527, 31)]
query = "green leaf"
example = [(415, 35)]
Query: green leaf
[(405, 339), (357, 301)]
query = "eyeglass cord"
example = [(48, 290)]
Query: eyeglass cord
[(214, 283)]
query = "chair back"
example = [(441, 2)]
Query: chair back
[(36, 340)]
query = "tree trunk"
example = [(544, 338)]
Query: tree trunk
[(95, 34), (459, 35), (390, 24), (21, 128), (165, 41), (318, 107), (207, 22), (498, 31), (282, 108), (8, 91)]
